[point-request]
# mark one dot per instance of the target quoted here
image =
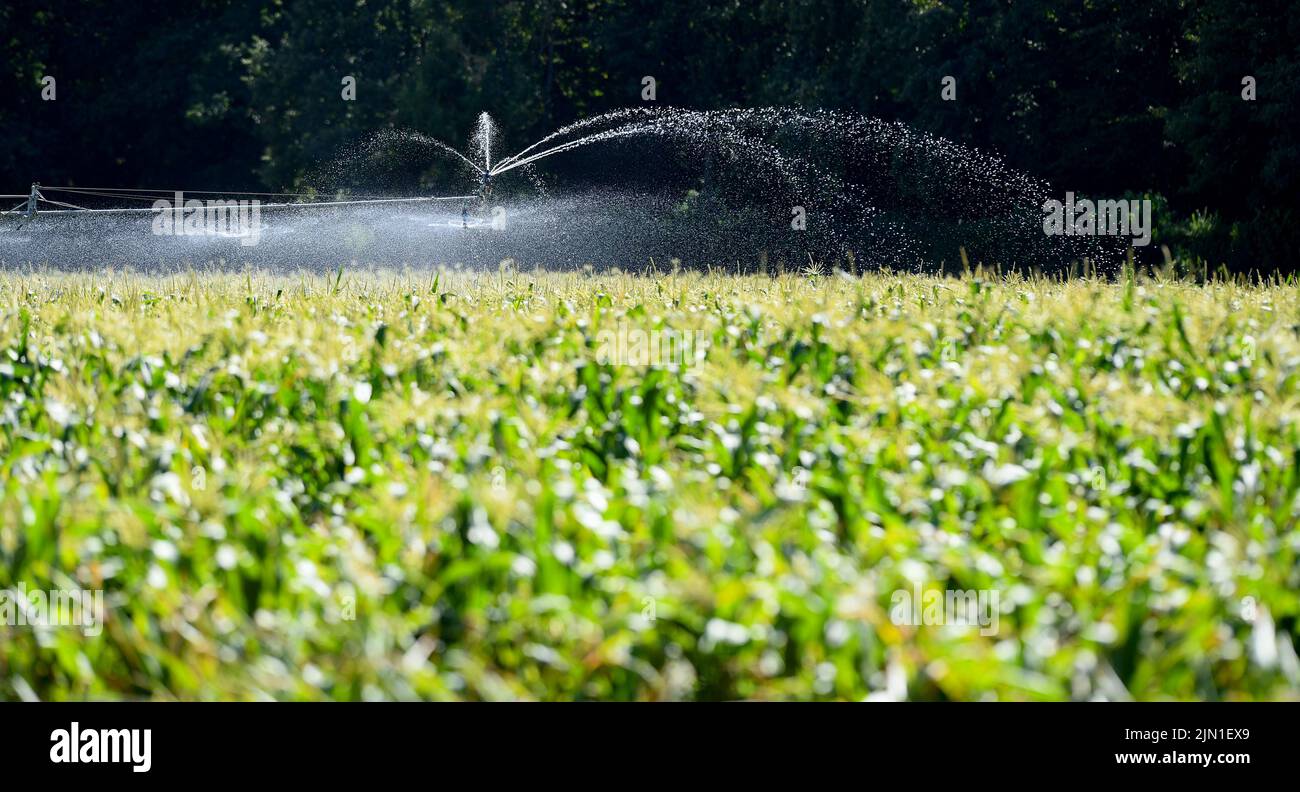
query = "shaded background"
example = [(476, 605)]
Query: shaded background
[(1108, 99)]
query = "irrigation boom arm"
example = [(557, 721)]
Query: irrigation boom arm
[(28, 208)]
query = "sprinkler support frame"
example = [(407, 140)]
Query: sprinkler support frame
[(27, 210), (32, 198)]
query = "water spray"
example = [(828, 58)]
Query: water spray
[(880, 192)]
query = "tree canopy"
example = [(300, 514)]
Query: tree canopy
[(1100, 97)]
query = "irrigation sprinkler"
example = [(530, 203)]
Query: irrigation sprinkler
[(882, 192)]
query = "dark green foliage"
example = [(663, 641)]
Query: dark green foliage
[(1102, 98)]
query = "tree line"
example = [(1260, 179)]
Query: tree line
[(1189, 102)]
